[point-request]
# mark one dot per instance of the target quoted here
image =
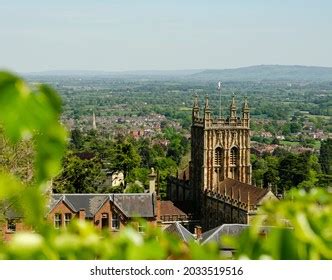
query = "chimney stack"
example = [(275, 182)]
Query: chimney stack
[(152, 181), (81, 214), (158, 209)]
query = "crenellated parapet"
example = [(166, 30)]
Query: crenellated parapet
[(208, 121)]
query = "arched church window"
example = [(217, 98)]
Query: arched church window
[(234, 156), (218, 156)]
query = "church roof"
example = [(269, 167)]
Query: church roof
[(240, 191)]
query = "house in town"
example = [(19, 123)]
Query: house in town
[(109, 212)]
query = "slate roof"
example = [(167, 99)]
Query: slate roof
[(180, 231), (215, 234), (135, 205), (131, 205), (90, 202), (241, 190), (234, 230), (9, 211)]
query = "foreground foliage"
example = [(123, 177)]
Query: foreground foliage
[(302, 228)]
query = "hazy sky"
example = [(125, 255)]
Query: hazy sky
[(109, 35)]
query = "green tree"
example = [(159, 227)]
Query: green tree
[(146, 153), (140, 174), (135, 187), (259, 167), (288, 172), (295, 127), (299, 171), (166, 167), (124, 157), (325, 156), (79, 175), (76, 139), (17, 158), (178, 146)]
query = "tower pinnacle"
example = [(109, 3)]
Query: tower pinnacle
[(233, 109), (207, 103), (196, 101), (245, 113), (207, 111), (195, 112)]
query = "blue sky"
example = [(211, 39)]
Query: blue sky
[(119, 35)]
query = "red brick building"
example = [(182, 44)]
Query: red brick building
[(105, 211)]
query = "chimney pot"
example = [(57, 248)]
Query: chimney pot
[(198, 232)]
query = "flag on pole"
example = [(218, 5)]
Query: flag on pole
[(219, 85)]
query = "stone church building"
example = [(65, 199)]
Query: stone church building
[(217, 183)]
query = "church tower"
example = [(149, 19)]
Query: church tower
[(220, 148)]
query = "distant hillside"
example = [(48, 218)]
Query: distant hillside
[(251, 73), (268, 72), (138, 73)]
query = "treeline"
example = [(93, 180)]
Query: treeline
[(92, 158), (284, 170)]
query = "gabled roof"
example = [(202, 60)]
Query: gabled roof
[(90, 202), (241, 190), (135, 205), (233, 230), (180, 231), (215, 234), (8, 210)]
